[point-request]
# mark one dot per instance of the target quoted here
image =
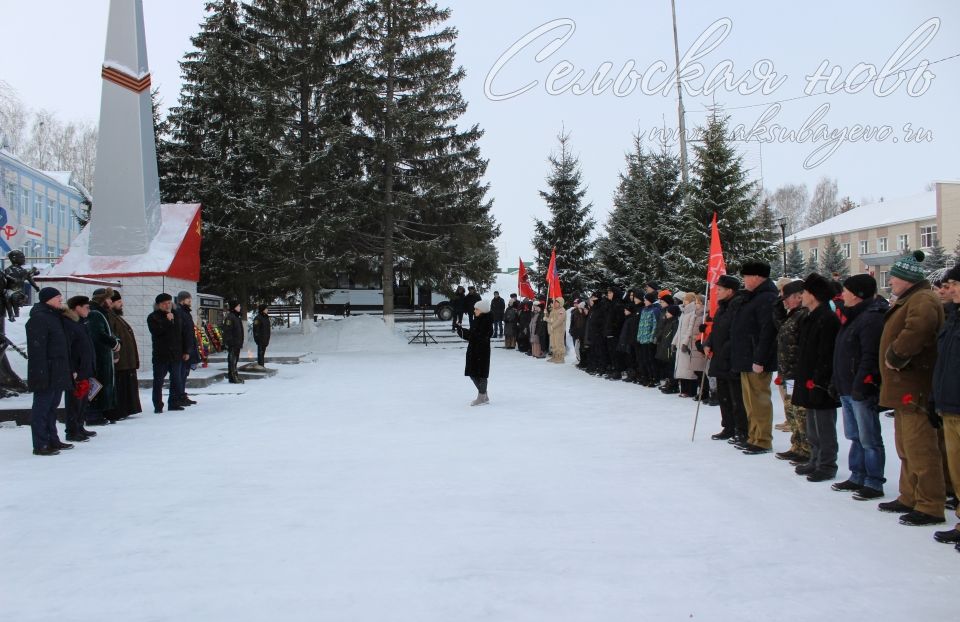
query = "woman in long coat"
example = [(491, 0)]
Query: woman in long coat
[(557, 327), (510, 316), (478, 350), (690, 361), (105, 344)]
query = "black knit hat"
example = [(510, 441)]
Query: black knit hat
[(819, 287), (48, 293), (674, 310), (77, 301), (164, 297), (728, 281), (791, 288), (953, 274), (116, 296), (668, 299), (756, 268), (861, 285), (651, 296)]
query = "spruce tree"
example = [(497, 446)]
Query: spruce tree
[(833, 259), (426, 200), (210, 156), (795, 264), (570, 226), (811, 266), (936, 258), (719, 184)]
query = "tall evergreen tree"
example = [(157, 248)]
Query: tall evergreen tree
[(795, 264), (211, 156), (426, 196), (833, 259), (307, 97), (719, 184), (812, 265), (570, 226), (936, 258)]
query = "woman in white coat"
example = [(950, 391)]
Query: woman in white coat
[(690, 361)]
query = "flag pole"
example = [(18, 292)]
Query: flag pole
[(714, 237)]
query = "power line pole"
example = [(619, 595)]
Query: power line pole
[(680, 111)]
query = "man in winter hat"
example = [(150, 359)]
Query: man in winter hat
[(907, 356), (946, 392)]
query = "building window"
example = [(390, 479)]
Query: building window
[(928, 236), (51, 212), (25, 202), (37, 207), (63, 216), (814, 255), (882, 245), (11, 198), (864, 247), (884, 279), (845, 248), (903, 242)]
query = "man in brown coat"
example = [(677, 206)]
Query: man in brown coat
[(908, 353)]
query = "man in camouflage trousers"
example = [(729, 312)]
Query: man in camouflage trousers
[(788, 351)]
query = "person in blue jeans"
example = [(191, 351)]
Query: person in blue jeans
[(856, 375), (168, 351)]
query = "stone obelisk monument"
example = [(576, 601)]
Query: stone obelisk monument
[(126, 196)]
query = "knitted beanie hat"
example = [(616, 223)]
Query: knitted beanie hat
[(908, 267)]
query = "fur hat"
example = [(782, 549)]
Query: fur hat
[(48, 293), (183, 296), (793, 287), (953, 274), (483, 306), (560, 300), (756, 268), (819, 287), (861, 285), (908, 267), (77, 301), (102, 294), (164, 297), (729, 282)]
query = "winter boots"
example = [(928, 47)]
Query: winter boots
[(481, 400)]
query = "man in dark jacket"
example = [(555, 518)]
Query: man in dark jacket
[(856, 376), (48, 371), (82, 359), (497, 307), (596, 320), (261, 334), (754, 353), (106, 347), (613, 322), (946, 392), (191, 351), (233, 340), (788, 354), (733, 416), (167, 338), (128, 362), (471, 299), (813, 389)]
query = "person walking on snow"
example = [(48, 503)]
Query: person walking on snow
[(478, 349)]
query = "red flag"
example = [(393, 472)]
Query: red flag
[(717, 266), (553, 279), (523, 283)]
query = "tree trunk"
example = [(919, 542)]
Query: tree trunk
[(308, 301), (389, 223)]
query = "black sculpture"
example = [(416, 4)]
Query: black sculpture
[(15, 275)]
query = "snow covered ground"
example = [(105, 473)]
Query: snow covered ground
[(360, 486)]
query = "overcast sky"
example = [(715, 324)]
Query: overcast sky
[(51, 53)]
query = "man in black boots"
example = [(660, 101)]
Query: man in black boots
[(733, 416), (233, 340), (82, 359), (191, 351), (261, 334), (813, 389), (788, 355), (168, 353), (48, 371)]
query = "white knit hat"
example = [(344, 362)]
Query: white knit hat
[(483, 306)]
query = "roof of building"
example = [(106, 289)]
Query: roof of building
[(921, 206), (174, 252), (62, 178)]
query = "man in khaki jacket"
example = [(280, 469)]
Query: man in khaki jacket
[(908, 353)]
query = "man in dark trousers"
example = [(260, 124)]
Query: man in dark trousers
[(261, 334), (233, 340), (469, 301), (191, 353), (48, 371), (82, 358), (497, 308), (168, 353), (733, 416)]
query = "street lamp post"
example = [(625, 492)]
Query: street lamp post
[(782, 221)]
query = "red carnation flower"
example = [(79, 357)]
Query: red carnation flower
[(811, 384), (868, 379), (778, 381), (907, 399)]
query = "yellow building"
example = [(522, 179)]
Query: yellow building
[(873, 236)]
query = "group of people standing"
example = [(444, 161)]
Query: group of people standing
[(86, 350)]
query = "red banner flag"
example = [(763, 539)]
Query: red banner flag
[(717, 266), (553, 279), (523, 283)]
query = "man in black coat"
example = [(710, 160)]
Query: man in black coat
[(856, 376), (191, 350), (48, 370), (233, 340), (167, 338), (754, 353), (497, 308), (469, 301), (946, 392), (261, 334), (82, 358), (814, 389), (733, 416)]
